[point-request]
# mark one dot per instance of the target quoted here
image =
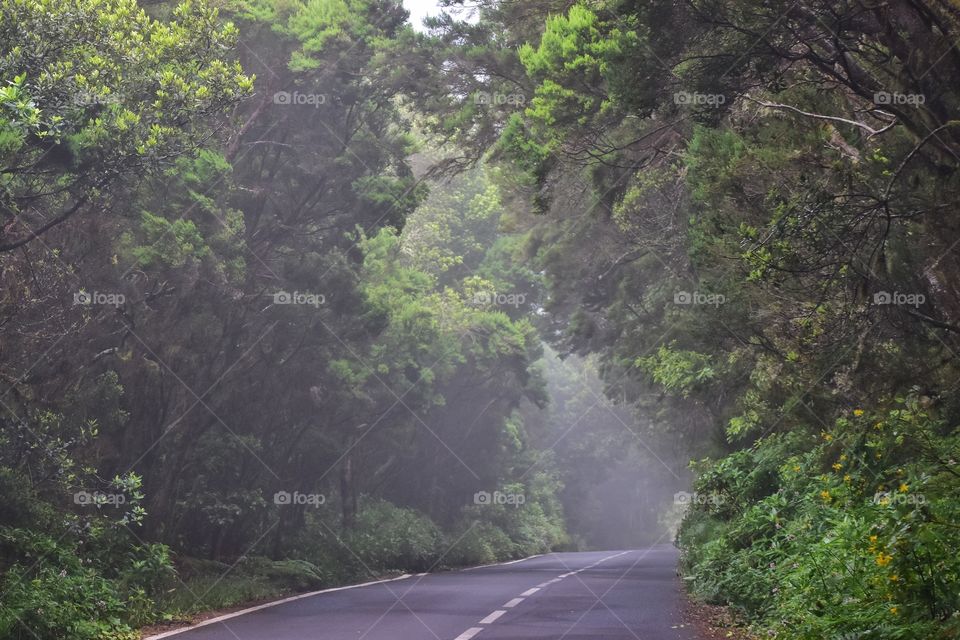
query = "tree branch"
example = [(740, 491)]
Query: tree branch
[(817, 116)]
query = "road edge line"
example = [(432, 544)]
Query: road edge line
[(502, 564), (267, 605)]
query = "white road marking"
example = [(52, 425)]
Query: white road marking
[(591, 566), (167, 634), (502, 564), (493, 617)]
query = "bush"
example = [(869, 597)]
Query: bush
[(208, 584), (387, 537), (535, 525), (850, 532), (288, 575), (319, 545), (147, 568), (51, 595), (478, 543)]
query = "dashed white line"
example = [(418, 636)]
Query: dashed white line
[(493, 617)]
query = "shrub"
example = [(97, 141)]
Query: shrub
[(208, 584), (476, 543), (852, 533), (387, 537), (533, 525), (52, 595)]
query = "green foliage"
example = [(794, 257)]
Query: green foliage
[(525, 149), (185, 221), (172, 243), (53, 593), (846, 532), (207, 387), (497, 532), (713, 157), (390, 537), (479, 543), (678, 371), (210, 585), (755, 152), (121, 94), (573, 53)]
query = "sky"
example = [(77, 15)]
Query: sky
[(419, 9)]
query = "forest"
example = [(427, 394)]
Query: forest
[(297, 294)]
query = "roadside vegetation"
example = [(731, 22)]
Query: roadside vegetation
[(746, 214)]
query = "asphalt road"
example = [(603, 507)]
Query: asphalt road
[(622, 595)]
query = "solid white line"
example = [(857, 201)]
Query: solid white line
[(530, 592), (493, 617), (502, 564), (469, 633), (616, 555), (513, 603), (267, 605)]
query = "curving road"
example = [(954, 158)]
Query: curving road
[(615, 595)]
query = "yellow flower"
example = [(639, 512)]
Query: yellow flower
[(846, 478), (893, 610), (904, 487), (858, 412), (827, 437), (873, 539), (883, 559), (837, 466), (843, 456), (825, 496), (895, 578), (796, 468)]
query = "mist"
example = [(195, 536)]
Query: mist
[(462, 319)]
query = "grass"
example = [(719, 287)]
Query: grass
[(207, 585)]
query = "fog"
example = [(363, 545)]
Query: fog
[(304, 294)]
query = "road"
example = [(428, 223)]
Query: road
[(615, 595)]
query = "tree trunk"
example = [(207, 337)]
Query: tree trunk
[(348, 490)]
